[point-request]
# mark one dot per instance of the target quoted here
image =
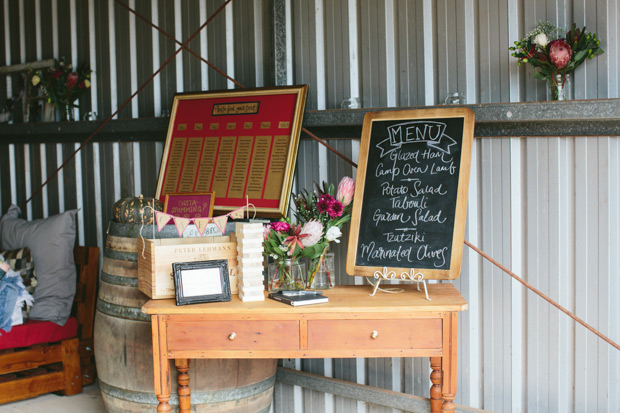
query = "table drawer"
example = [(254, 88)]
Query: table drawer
[(374, 334), (234, 335)]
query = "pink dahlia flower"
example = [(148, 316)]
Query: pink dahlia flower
[(324, 202), (280, 226), (560, 53), (346, 189), (335, 209), (313, 231)]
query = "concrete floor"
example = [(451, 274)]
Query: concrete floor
[(89, 401)]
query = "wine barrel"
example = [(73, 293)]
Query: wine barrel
[(123, 344)]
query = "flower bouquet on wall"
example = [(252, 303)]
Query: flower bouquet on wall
[(556, 54), (324, 212), (62, 85)]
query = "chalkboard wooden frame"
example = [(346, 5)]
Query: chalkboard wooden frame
[(359, 240)]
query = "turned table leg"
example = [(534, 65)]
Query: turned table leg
[(437, 380), (161, 366), (448, 362), (183, 381)]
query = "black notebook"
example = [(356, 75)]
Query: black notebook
[(296, 298)]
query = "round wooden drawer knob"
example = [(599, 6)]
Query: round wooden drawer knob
[(374, 334), (232, 336)]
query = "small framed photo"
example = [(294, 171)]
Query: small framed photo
[(201, 281), (190, 204)]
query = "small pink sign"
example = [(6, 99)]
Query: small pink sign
[(190, 205)]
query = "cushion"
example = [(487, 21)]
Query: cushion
[(51, 241), (21, 261), (36, 332)]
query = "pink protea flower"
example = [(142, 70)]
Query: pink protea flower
[(72, 80), (280, 226), (266, 232), (313, 231), (335, 209), (346, 189), (560, 53)]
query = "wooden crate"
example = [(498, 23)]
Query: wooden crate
[(155, 267)]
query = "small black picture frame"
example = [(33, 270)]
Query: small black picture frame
[(201, 281)]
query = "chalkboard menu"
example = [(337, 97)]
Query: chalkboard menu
[(410, 201)]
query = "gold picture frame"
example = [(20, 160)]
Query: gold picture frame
[(240, 144)]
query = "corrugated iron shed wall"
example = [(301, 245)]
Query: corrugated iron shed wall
[(546, 207)]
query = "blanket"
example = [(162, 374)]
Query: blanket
[(13, 295)]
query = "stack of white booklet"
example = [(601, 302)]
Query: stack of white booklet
[(250, 261)]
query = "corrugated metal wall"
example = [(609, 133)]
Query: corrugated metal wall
[(546, 207)]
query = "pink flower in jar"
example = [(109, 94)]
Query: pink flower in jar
[(72, 80), (560, 53), (324, 202), (346, 190), (313, 231), (280, 226), (335, 209)]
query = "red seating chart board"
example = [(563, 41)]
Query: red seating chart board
[(237, 144)]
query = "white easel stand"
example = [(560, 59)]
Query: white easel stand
[(391, 275)]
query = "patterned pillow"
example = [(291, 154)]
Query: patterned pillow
[(21, 261)]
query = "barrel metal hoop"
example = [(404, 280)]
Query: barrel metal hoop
[(119, 311), (118, 280), (120, 255), (133, 395), (217, 396)]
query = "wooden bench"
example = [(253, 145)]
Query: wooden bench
[(65, 365)]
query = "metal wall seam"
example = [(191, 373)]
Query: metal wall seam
[(22, 31), (79, 195), (133, 60), (112, 54), (517, 239), (259, 40), (471, 52), (354, 77), (178, 34), (614, 283), (391, 70), (7, 48), (116, 167), (470, 286), (92, 46), (429, 40), (230, 43), (37, 29), (204, 50), (55, 44), (43, 160), (60, 178), (156, 59), (97, 168), (605, 257), (74, 48)]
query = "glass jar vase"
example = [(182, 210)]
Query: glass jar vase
[(559, 87), (323, 276), (286, 275)]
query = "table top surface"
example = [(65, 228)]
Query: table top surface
[(343, 299)]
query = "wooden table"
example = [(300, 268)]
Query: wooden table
[(351, 324)]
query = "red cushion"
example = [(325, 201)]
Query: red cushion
[(36, 332)]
